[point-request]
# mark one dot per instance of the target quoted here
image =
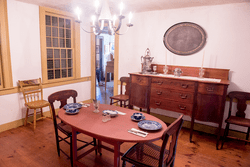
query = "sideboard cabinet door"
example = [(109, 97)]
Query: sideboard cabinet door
[(139, 91)]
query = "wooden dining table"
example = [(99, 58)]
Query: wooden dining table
[(114, 132)]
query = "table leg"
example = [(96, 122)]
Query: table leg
[(74, 146), (117, 154), (99, 146)]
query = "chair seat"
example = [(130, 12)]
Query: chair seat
[(37, 104), (120, 97), (66, 129), (146, 154), (238, 121)]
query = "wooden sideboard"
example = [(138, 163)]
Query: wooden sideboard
[(201, 99)]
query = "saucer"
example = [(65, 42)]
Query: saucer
[(137, 120)]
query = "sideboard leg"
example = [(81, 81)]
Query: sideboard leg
[(191, 130), (148, 110), (218, 135)]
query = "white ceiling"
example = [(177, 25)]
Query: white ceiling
[(135, 6)]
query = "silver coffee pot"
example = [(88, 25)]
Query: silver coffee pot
[(146, 62)]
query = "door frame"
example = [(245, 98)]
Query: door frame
[(93, 61)]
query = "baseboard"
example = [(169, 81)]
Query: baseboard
[(20, 122)]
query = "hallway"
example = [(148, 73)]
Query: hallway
[(102, 95)]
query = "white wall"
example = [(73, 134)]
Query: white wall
[(24, 36), (228, 42)]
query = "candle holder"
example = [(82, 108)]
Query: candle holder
[(201, 72), (165, 69)]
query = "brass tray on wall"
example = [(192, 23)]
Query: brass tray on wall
[(184, 38)]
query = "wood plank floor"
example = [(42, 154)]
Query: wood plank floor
[(102, 95), (23, 147)]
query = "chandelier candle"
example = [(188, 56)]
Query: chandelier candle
[(102, 17)]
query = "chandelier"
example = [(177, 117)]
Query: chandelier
[(102, 18)]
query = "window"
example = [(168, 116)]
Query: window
[(59, 48), (59, 54)]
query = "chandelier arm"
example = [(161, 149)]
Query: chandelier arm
[(97, 32), (122, 33), (120, 23), (87, 31)]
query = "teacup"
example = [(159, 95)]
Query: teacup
[(137, 116)]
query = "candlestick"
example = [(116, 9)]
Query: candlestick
[(202, 59), (166, 58)]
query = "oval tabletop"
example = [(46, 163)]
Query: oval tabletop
[(90, 123)]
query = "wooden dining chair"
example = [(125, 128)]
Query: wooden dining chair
[(62, 97), (33, 97), (239, 117), (122, 98), (149, 154)]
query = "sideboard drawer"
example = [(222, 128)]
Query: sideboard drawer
[(216, 89), (173, 84), (184, 108), (175, 95), (141, 80)]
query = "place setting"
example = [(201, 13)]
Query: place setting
[(143, 124)]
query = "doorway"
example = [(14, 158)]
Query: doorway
[(104, 56)]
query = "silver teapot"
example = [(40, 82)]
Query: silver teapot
[(146, 62)]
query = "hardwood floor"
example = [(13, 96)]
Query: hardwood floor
[(23, 147), (102, 95)]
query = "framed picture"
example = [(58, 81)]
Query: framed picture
[(97, 49)]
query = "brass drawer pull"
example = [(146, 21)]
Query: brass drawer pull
[(182, 107), (158, 103), (159, 92), (210, 89), (139, 79), (183, 96), (184, 86), (159, 83)]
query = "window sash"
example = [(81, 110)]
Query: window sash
[(75, 38), (59, 49)]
